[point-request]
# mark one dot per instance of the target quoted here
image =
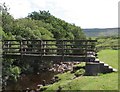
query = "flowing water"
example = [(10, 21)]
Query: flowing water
[(31, 81)]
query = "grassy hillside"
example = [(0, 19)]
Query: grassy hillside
[(110, 42), (110, 57), (95, 32), (102, 82)]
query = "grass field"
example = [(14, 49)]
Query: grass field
[(107, 81), (110, 57)]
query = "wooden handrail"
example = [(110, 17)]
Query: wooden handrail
[(55, 40), (43, 47)]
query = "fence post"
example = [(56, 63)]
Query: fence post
[(44, 46), (41, 52), (8, 46), (86, 42), (3, 44), (62, 50), (21, 49)]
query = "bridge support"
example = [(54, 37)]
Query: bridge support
[(92, 69)]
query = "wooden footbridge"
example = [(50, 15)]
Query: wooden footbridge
[(50, 50), (56, 50)]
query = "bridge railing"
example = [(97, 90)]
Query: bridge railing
[(48, 47)]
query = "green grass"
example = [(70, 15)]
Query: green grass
[(107, 81), (110, 57)]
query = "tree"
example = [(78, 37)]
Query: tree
[(7, 19), (59, 28), (41, 15)]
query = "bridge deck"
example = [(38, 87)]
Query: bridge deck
[(51, 57)]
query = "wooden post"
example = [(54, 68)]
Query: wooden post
[(40, 48), (44, 46), (86, 60), (64, 47), (24, 46), (8, 45), (86, 49), (3, 50), (21, 49), (62, 50), (41, 52)]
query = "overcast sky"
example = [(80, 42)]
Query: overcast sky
[(83, 13)]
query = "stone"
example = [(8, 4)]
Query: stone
[(92, 69)]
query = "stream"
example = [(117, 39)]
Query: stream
[(31, 81)]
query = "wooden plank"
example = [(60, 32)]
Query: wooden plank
[(11, 44), (11, 52), (11, 48), (37, 48), (27, 52), (53, 58), (63, 48), (65, 45), (54, 40)]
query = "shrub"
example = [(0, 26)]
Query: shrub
[(79, 72)]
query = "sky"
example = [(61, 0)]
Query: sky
[(83, 13)]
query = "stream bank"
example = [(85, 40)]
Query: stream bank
[(31, 81)]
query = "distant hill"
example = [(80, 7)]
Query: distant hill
[(95, 32)]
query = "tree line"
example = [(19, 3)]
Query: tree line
[(37, 25)]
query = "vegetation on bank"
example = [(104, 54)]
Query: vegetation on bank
[(107, 81)]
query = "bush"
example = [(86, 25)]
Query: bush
[(79, 72)]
